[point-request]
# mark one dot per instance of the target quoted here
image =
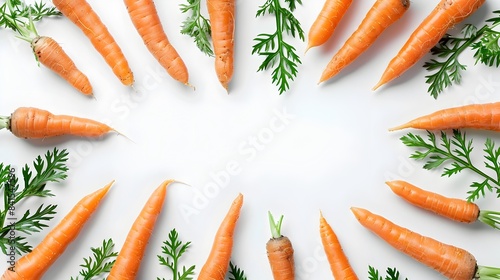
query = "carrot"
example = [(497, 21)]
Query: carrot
[(145, 18), (452, 208), (444, 16), (217, 264), (453, 262), (85, 18), (475, 116), (33, 265), (339, 264), (50, 54), (31, 123), (129, 259), (221, 14), (327, 21), (382, 14), (280, 252)]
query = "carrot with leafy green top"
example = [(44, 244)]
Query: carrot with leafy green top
[(33, 265), (217, 264), (280, 252)]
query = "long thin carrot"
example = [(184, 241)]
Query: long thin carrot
[(327, 21), (129, 259), (221, 14), (475, 116), (83, 16), (453, 262), (145, 18), (50, 54), (217, 264), (31, 123), (382, 14), (280, 252), (339, 264), (451, 208), (444, 16), (33, 265)]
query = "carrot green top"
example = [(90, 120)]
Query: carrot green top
[(275, 226)]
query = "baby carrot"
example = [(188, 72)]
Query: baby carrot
[(31, 123), (475, 116), (85, 18), (33, 265), (129, 259), (146, 21), (280, 252), (445, 15), (452, 208), (221, 14), (217, 264), (382, 14), (453, 262), (326, 22), (339, 264)]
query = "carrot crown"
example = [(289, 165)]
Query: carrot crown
[(4, 122), (275, 226)]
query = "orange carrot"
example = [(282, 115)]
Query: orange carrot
[(382, 14), (221, 14), (339, 264), (217, 264), (145, 18), (444, 16), (280, 252), (451, 208), (50, 54), (129, 259), (31, 123), (327, 21), (83, 16), (453, 262), (33, 265), (475, 116)]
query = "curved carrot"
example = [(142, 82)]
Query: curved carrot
[(221, 14), (215, 268), (83, 16), (382, 14), (280, 252), (31, 123), (33, 265), (50, 54), (451, 208), (339, 264), (476, 116), (145, 18), (326, 22), (453, 262), (444, 16), (129, 259)]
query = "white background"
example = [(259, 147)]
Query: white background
[(335, 151)]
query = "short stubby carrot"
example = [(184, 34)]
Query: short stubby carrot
[(32, 123), (129, 259), (221, 14), (474, 116), (453, 262), (85, 18), (339, 264), (280, 252), (145, 18), (33, 265), (444, 16), (382, 14), (217, 264), (327, 21), (51, 54)]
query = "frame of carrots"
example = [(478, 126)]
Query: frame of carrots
[(36, 124)]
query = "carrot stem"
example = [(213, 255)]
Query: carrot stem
[(487, 273), (4, 122), (275, 227), (491, 218)]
